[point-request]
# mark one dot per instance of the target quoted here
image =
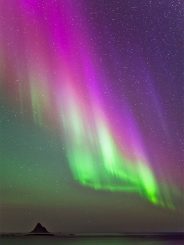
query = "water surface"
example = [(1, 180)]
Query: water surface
[(84, 241)]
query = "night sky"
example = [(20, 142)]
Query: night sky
[(92, 115)]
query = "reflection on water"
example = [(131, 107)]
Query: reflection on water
[(85, 241)]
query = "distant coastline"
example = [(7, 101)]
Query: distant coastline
[(160, 235)]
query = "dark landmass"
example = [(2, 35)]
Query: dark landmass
[(159, 236), (40, 230)]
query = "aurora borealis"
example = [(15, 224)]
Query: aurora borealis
[(91, 113)]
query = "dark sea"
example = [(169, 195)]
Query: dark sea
[(84, 241)]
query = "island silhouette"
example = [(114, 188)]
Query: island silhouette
[(40, 230)]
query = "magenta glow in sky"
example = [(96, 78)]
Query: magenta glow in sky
[(109, 112)]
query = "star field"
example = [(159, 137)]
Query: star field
[(91, 115)]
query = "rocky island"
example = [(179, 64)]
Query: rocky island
[(40, 230)]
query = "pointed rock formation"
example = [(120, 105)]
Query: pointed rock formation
[(39, 230)]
